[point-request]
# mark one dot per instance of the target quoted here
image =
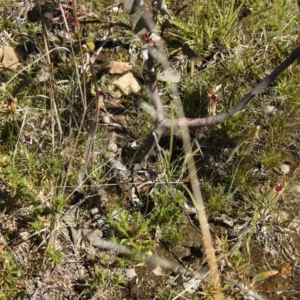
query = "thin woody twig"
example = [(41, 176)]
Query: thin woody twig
[(244, 289), (147, 147), (240, 105), (150, 142)]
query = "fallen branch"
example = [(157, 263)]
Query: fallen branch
[(244, 289), (240, 105), (220, 118)]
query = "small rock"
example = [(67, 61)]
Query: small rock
[(130, 273), (295, 224), (96, 216), (101, 222), (125, 85), (9, 58), (96, 235), (158, 271), (116, 215), (24, 235), (116, 9), (112, 146), (118, 67), (94, 211), (118, 165), (285, 169), (44, 76), (120, 169), (106, 119), (270, 110), (296, 188)]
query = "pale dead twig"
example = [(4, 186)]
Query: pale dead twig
[(243, 288), (151, 260)]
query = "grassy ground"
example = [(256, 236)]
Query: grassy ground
[(58, 157)]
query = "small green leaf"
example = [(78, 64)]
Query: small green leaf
[(265, 275)]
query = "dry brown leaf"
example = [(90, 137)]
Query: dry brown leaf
[(265, 275), (8, 58), (2, 247), (125, 85), (286, 272), (118, 67)]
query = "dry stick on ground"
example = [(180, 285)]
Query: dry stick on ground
[(155, 261), (240, 105), (243, 288), (146, 148), (158, 129)]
